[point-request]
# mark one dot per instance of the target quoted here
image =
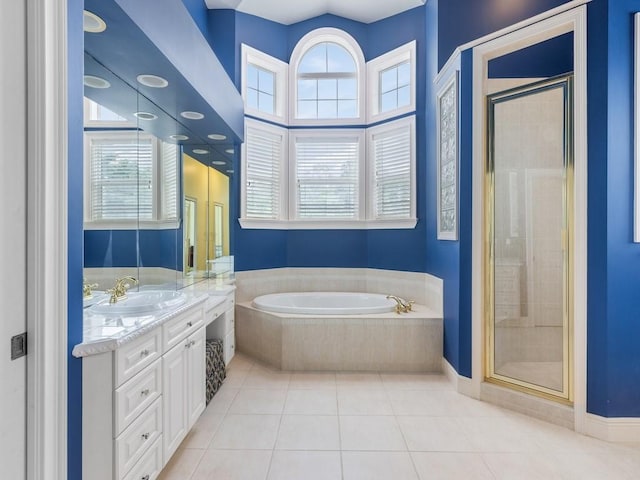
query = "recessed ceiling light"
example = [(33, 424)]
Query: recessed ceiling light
[(200, 151), (178, 137), (95, 82), (145, 116), (152, 81), (92, 23), (229, 150), (218, 162), (217, 136), (192, 115)]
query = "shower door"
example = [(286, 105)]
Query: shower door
[(528, 216)]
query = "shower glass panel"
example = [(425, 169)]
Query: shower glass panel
[(529, 172)]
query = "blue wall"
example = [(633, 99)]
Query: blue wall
[(75, 46), (613, 370), (545, 59), (389, 249), (461, 21), (133, 248)]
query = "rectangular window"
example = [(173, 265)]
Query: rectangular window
[(327, 175), (263, 163), (120, 177), (395, 87), (260, 89), (170, 154), (264, 85), (392, 161), (130, 177), (391, 84)]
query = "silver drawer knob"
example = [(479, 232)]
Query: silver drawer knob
[(145, 436), (189, 324), (144, 392), (144, 353)]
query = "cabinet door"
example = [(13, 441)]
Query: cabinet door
[(174, 378), (196, 376)]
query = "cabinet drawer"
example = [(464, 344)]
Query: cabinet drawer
[(150, 465), (135, 356), (213, 314), (180, 327), (137, 394), (132, 444), (229, 346)]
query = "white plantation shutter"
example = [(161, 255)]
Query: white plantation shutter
[(121, 176), (392, 161), (169, 180), (327, 176), (264, 149)]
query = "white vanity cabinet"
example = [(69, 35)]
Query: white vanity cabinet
[(184, 388), (222, 325), (141, 398)]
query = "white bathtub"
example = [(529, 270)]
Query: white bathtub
[(325, 303)]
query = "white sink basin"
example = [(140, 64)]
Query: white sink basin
[(137, 303)]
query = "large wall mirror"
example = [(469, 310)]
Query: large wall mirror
[(156, 196)]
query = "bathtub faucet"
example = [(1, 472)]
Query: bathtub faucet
[(119, 291), (402, 305)]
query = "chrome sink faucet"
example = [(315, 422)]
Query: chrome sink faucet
[(119, 291), (402, 305)]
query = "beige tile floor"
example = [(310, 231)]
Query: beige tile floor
[(270, 425)]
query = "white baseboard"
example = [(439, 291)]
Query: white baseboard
[(624, 429), (460, 383)]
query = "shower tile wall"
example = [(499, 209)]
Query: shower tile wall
[(528, 293)]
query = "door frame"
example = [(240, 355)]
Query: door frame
[(573, 20), (47, 164)]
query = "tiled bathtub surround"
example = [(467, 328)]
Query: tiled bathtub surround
[(411, 342), (423, 288)]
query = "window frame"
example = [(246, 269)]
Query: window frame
[(157, 222), (306, 43), (283, 215), (375, 67), (327, 222), (391, 222), (367, 125), (280, 70)]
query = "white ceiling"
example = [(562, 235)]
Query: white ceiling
[(293, 11)]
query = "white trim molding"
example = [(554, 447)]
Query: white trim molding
[(612, 429), (47, 244), (569, 18)]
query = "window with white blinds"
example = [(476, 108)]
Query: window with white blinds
[(327, 176), (131, 177), (264, 160), (318, 167), (120, 176), (170, 155), (391, 156)]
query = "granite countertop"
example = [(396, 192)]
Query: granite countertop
[(106, 333)]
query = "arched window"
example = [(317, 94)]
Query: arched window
[(328, 79)]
